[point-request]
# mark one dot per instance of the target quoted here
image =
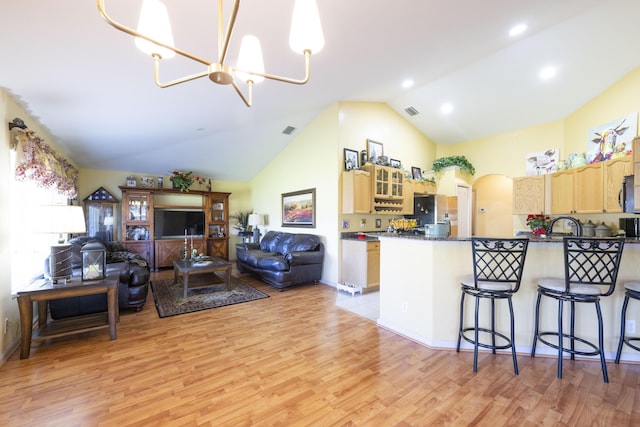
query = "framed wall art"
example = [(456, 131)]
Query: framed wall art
[(416, 173), (394, 163), (299, 208), (350, 159), (374, 149)]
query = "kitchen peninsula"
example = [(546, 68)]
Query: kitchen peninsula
[(420, 292)]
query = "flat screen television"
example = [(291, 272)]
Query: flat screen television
[(172, 223)]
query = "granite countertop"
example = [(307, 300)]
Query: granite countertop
[(362, 236), (552, 239)]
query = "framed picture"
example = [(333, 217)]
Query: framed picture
[(374, 149), (146, 182), (394, 163), (350, 159), (299, 208), (416, 172)]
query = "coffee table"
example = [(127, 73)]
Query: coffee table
[(183, 269)]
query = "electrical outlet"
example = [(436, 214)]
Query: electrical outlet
[(404, 307), (630, 326)]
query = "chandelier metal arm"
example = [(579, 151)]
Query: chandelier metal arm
[(223, 43), (156, 74), (247, 100), (134, 33)]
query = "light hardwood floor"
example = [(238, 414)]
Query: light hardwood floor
[(295, 359)]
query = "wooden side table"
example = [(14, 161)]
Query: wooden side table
[(44, 290)]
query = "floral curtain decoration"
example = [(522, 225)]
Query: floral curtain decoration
[(44, 166)]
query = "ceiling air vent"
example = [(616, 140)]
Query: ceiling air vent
[(411, 111), (288, 130)]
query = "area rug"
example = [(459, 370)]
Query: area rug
[(169, 301)]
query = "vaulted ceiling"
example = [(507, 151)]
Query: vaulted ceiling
[(91, 88)]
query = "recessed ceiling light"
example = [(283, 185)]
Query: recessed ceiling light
[(517, 30), (407, 83), (446, 108), (547, 72)]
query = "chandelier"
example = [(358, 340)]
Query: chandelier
[(154, 37)]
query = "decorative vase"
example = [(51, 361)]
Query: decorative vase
[(539, 232)]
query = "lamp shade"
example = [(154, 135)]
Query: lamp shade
[(154, 23), (256, 219), (250, 59), (306, 29), (59, 219)]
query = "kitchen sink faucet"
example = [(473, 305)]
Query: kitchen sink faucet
[(576, 222)]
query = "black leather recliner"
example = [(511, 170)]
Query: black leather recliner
[(133, 276)]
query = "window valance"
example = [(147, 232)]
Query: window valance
[(42, 165)]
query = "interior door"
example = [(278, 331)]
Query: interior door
[(463, 192)]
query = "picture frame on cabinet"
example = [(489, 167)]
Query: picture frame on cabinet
[(395, 163), (299, 209), (416, 173), (350, 159), (374, 150)]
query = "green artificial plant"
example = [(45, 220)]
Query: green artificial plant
[(460, 161)]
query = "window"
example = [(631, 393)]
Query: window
[(28, 249)]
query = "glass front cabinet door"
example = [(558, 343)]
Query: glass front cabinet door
[(101, 215)]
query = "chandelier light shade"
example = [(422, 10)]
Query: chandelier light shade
[(154, 37), (154, 21)]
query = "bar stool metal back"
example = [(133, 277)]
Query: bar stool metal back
[(632, 290), (497, 272), (591, 270)]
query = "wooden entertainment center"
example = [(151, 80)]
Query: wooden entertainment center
[(138, 226)]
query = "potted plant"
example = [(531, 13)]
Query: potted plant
[(460, 161), (242, 218)]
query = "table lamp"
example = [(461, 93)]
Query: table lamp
[(60, 219), (255, 220)]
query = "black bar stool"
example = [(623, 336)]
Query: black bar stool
[(497, 272), (590, 269), (632, 290)]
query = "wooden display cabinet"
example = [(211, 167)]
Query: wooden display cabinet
[(101, 215), (137, 222), (217, 224)]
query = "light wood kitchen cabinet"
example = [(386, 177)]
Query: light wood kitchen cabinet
[(361, 263), (614, 172), (589, 189), (562, 192), (387, 189), (356, 192), (530, 194)]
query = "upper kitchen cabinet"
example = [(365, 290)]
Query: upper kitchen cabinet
[(387, 187), (562, 190), (530, 194), (614, 172), (589, 191), (356, 192)]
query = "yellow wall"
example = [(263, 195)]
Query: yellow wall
[(309, 161), (620, 99), (506, 153)]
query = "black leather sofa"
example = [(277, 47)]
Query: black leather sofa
[(133, 275), (283, 259)]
